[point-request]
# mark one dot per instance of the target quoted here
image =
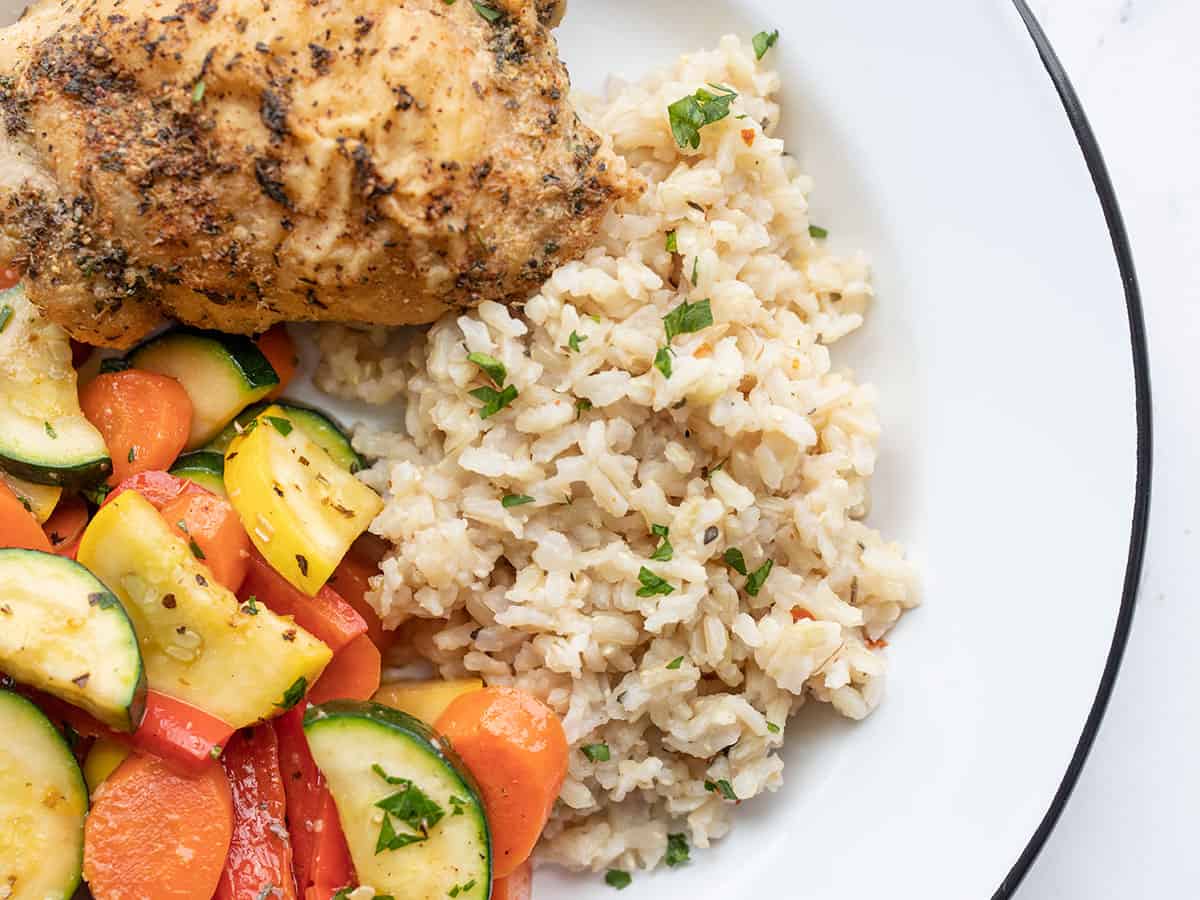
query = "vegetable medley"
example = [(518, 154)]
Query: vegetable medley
[(190, 695)]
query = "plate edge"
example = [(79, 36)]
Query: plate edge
[(1094, 159)]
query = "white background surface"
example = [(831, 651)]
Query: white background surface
[(1130, 828)]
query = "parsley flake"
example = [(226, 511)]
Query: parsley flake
[(410, 805), (490, 13), (652, 584), (672, 242), (6, 314), (816, 231), (458, 804), (512, 500), (50, 430), (618, 878), (675, 663), (294, 694), (764, 41), (689, 114), (688, 318), (493, 400), (198, 91), (250, 607), (662, 361), (575, 340), (132, 454), (597, 752), (696, 271), (678, 851), (492, 367), (773, 728), (282, 425), (664, 551), (756, 579), (582, 405), (195, 548), (734, 559), (722, 787)]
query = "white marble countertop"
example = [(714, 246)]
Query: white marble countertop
[(1129, 830)]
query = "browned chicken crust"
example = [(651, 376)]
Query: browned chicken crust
[(235, 163)]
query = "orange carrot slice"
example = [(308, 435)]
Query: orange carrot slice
[(211, 526), (154, 834), (18, 527), (516, 749), (276, 345), (352, 674)]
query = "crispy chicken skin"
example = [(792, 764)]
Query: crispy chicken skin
[(235, 163)]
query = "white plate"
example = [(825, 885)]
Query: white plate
[(1015, 459)]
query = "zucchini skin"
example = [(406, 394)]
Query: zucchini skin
[(204, 467), (256, 370)]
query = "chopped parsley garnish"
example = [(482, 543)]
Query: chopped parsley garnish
[(696, 271), (664, 551), (734, 559), (50, 430), (458, 804), (618, 878), (688, 318), (816, 231), (492, 367), (764, 41), (294, 694), (25, 503), (198, 91), (461, 888), (103, 599), (411, 806), (493, 400), (597, 752), (250, 607), (575, 340), (678, 851), (282, 425), (216, 751), (722, 787), (490, 13), (662, 361), (675, 663), (652, 584), (195, 548), (773, 728), (511, 500), (132, 454), (6, 314), (672, 242), (755, 580), (582, 405), (691, 113), (114, 364)]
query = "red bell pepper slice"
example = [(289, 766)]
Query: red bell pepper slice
[(176, 732), (320, 856), (160, 488), (352, 674), (351, 581), (326, 616), (259, 863)]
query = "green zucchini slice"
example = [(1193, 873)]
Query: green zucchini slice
[(222, 374), (425, 846), (205, 468), (44, 437), (63, 632), (43, 802)]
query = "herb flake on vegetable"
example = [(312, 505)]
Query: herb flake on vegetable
[(195, 548), (280, 424), (689, 114), (6, 314), (764, 41), (294, 694), (734, 559), (511, 500), (688, 318), (492, 367), (50, 430), (597, 752), (493, 400), (675, 663), (652, 584), (678, 851), (756, 579), (618, 878)]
